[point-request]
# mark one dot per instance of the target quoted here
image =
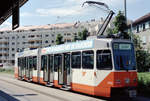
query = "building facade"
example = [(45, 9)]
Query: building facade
[(39, 36), (141, 27)]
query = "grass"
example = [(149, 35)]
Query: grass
[(144, 84), (9, 71)]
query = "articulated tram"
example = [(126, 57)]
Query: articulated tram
[(99, 67)]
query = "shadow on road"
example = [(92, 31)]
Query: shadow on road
[(7, 96)]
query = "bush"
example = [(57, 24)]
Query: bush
[(142, 59)]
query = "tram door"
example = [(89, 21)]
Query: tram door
[(27, 67), (19, 66), (30, 67), (23, 67), (45, 67), (59, 66), (66, 70), (50, 68)]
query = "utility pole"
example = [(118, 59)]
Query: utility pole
[(125, 10)]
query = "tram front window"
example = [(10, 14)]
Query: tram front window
[(124, 57)]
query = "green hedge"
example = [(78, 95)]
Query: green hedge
[(144, 84), (2, 70)]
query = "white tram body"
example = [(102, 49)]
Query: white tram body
[(95, 67)]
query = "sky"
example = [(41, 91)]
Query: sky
[(42, 12)]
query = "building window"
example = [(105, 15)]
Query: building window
[(53, 35), (13, 55), (13, 49), (67, 40), (24, 43), (13, 43), (144, 27), (31, 36), (68, 34), (137, 30), (75, 34), (13, 37), (52, 41), (23, 36), (38, 36), (46, 35), (46, 41)]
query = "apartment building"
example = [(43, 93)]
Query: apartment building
[(39, 36), (141, 27)]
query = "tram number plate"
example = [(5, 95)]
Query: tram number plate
[(132, 93)]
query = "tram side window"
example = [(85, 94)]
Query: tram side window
[(23, 62), (88, 60), (50, 61), (30, 62), (35, 63), (27, 64), (76, 60), (43, 62), (104, 60), (57, 62), (18, 62)]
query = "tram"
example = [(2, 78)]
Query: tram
[(98, 67)]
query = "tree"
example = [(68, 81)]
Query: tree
[(59, 39), (142, 56), (83, 35), (109, 32), (119, 26)]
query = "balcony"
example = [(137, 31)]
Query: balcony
[(35, 45), (3, 57), (3, 41), (34, 38), (4, 46)]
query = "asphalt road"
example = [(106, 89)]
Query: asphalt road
[(12, 89), (15, 90)]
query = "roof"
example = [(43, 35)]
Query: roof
[(63, 25), (6, 8), (142, 19)]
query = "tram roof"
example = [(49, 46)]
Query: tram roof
[(73, 46), (81, 45)]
